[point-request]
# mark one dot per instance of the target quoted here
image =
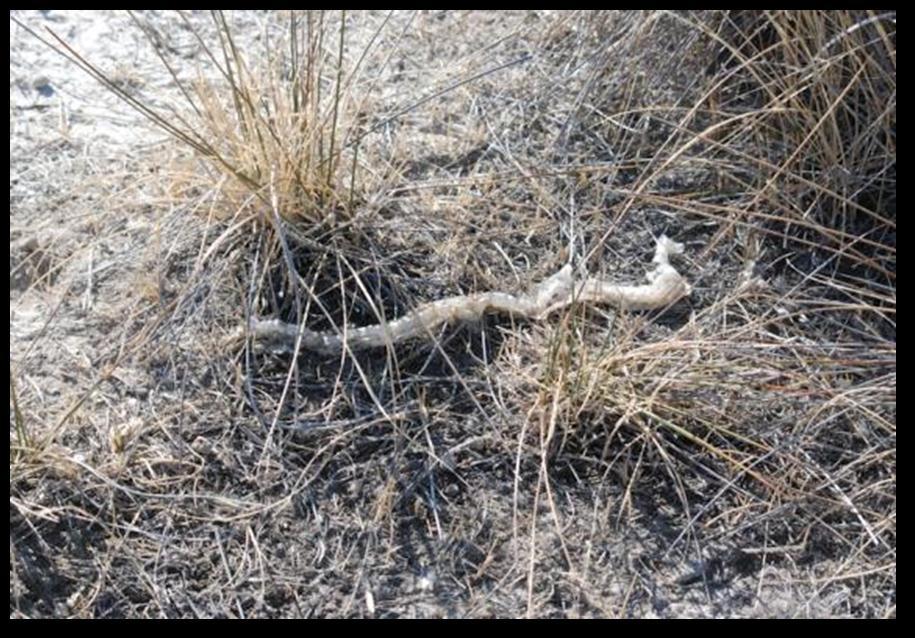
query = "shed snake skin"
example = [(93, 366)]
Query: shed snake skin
[(665, 286)]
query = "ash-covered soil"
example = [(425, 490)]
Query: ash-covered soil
[(178, 479)]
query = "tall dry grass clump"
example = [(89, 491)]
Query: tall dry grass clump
[(823, 85), (275, 127)]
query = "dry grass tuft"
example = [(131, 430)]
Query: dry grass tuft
[(276, 127)]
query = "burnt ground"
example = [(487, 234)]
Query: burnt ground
[(172, 477)]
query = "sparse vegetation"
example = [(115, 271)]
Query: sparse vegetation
[(734, 454)]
